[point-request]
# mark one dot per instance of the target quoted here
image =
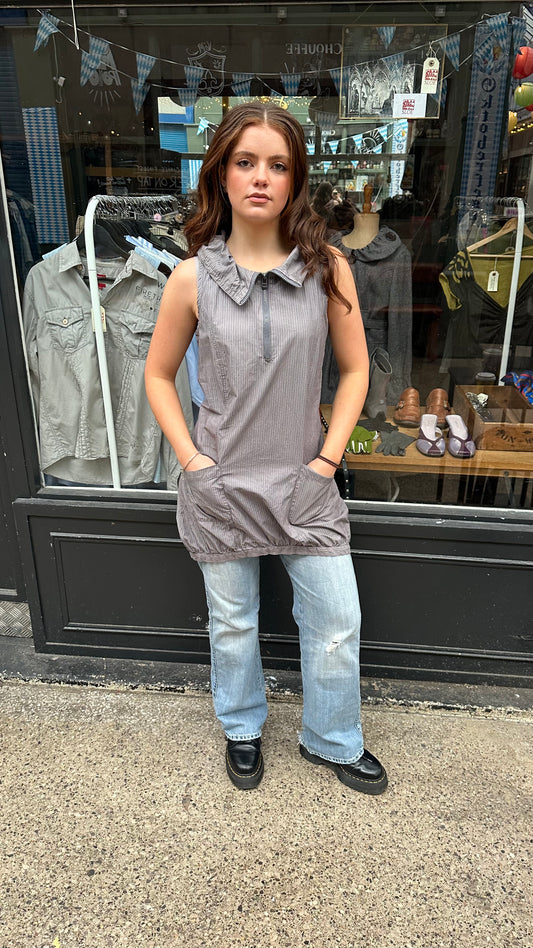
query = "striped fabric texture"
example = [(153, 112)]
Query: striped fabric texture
[(261, 340)]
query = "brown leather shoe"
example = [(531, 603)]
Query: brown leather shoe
[(437, 404), (407, 412)]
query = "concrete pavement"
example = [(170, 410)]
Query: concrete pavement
[(120, 828)]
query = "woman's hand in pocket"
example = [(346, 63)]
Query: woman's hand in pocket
[(322, 467)]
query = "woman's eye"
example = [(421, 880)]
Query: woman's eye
[(279, 166), (243, 163)]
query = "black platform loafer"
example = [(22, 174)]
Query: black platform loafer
[(244, 763), (366, 775)]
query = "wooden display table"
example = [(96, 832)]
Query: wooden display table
[(484, 463)]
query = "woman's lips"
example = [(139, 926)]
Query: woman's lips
[(258, 198)]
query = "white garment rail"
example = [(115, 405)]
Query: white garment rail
[(486, 207), (151, 207)]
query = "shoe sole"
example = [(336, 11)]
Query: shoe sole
[(249, 781), (362, 784)]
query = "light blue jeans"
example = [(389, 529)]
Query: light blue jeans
[(326, 610)]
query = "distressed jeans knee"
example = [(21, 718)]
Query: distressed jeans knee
[(327, 612)]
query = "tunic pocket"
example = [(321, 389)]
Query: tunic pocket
[(314, 498), (204, 515)]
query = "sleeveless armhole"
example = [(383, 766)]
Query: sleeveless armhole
[(197, 265)]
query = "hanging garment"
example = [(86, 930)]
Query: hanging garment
[(64, 372), (382, 274), (477, 317), (24, 233), (261, 343)]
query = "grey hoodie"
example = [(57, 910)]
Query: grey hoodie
[(382, 274)]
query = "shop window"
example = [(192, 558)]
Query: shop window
[(410, 164)]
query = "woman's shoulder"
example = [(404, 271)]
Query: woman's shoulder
[(182, 280)]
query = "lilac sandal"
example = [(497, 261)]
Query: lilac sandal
[(430, 441), (460, 442)]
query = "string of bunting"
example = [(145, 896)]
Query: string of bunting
[(99, 54)]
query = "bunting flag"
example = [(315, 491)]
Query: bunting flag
[(452, 46), (291, 82), (194, 75), (519, 33), (499, 25), (91, 60), (441, 99), (336, 75), (203, 123), (47, 26), (325, 119), (395, 64), (145, 64), (139, 92), (486, 50), (241, 82), (188, 96), (386, 34)]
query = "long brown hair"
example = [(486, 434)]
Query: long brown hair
[(300, 225)]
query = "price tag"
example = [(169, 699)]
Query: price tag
[(494, 278), (102, 317), (430, 75)]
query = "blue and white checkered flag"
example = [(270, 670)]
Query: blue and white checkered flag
[(145, 64), (519, 33), (202, 125), (139, 91), (394, 64), (291, 82), (193, 74), (188, 96), (452, 45), (441, 99), (486, 49), (499, 25), (325, 120), (336, 75), (91, 60), (47, 26), (241, 82), (386, 34)]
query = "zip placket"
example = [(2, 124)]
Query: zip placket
[(267, 328)]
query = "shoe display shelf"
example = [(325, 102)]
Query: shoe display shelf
[(487, 462)]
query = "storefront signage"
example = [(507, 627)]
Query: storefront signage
[(410, 105), (486, 107), (312, 49)]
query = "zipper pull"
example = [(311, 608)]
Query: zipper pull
[(264, 281)]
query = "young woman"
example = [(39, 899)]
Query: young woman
[(261, 289)]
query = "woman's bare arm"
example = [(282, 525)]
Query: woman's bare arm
[(347, 336)]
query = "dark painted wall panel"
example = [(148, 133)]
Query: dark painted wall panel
[(449, 605)]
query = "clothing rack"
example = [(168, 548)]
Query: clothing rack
[(494, 205), (114, 207)]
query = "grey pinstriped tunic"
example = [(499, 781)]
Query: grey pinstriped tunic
[(261, 341)]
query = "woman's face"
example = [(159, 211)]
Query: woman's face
[(258, 174)]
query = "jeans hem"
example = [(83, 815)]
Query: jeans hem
[(243, 737), (332, 760)]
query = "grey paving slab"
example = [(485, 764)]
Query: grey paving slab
[(120, 828)]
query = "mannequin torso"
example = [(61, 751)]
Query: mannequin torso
[(366, 227)]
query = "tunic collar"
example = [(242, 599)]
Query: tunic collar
[(238, 282)]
